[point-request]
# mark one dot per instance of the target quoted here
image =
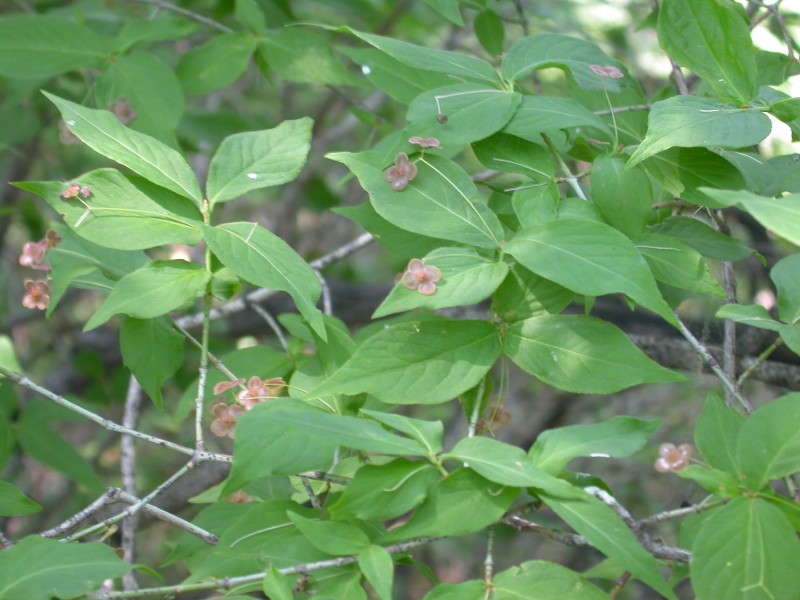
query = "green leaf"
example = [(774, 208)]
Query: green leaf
[(440, 202), (249, 14), (8, 358), (122, 212), (13, 503), (159, 28), (719, 483), (511, 154), (713, 40), (785, 276), (381, 492), (625, 198), (216, 64), (331, 537), (448, 9), (473, 112), (103, 133), (152, 291), (572, 55), (303, 56), (258, 159), (589, 258), (418, 362), (539, 114), (703, 238), (677, 264), (153, 351), (716, 434), (524, 294), (257, 255), (689, 121), (543, 581), (746, 549), (618, 437), (490, 31), (378, 568), (768, 446), (579, 354), (38, 46), (753, 315), (781, 215), (428, 433), (507, 465), (468, 590), (458, 65), (277, 586), (41, 569), (462, 503), (607, 532), (150, 87), (467, 278)]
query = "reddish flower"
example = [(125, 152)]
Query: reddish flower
[(71, 192), (430, 142), (259, 391), (38, 295), (611, 72), (224, 386), (86, 192), (52, 238), (401, 173), (123, 111), (240, 497), (672, 459), (226, 417), (33, 254), (421, 277)]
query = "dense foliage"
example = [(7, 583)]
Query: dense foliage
[(539, 192)]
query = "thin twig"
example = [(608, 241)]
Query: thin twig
[(187, 13), (312, 496), (133, 402), (218, 364), (620, 585), (523, 19), (488, 562), (272, 323), (677, 513), (168, 517), (760, 360), (571, 179), (612, 503), (622, 109), (79, 517), (327, 305)]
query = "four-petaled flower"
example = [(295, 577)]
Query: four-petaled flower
[(38, 295), (421, 277), (611, 72), (33, 253), (259, 391), (430, 142), (226, 416), (673, 459), (401, 173), (71, 192)]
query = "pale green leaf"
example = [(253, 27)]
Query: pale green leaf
[(331, 537), (303, 56), (378, 568), (786, 275), (753, 315), (216, 64), (13, 503), (716, 434), (543, 581)]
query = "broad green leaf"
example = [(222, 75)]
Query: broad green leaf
[(677, 264), (681, 171), (753, 315), (331, 537), (440, 202), (572, 55), (468, 590), (768, 446), (448, 9), (703, 238), (689, 121), (713, 40), (303, 56), (277, 586), (539, 114), (152, 291), (215, 518), (216, 64), (428, 433), (37, 46), (153, 351), (8, 358), (609, 534), (589, 258), (524, 294), (473, 112), (543, 581), (123, 212), (258, 159), (249, 14), (511, 154), (381, 492), (781, 215), (418, 362), (13, 503), (458, 65), (507, 465), (344, 584), (716, 434), (150, 87), (618, 437), (625, 198), (462, 503), (467, 278), (786, 275), (159, 28), (579, 354), (103, 133), (41, 569), (719, 483), (490, 31), (747, 550), (378, 568), (259, 256)]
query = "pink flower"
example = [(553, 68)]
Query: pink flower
[(224, 386), (672, 459), (430, 142), (86, 192), (259, 391), (33, 254), (226, 417), (401, 173), (38, 295), (71, 192), (53, 239), (421, 277), (612, 72)]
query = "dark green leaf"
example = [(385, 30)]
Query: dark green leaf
[(153, 351), (716, 434), (249, 14), (625, 198), (378, 568), (538, 114), (216, 64), (331, 537), (428, 433), (13, 503), (781, 215), (511, 154), (524, 294), (490, 32), (703, 238), (677, 264), (753, 315), (784, 274), (143, 31)]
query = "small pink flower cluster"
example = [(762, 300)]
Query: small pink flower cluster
[(430, 142), (33, 255), (74, 190), (673, 459), (609, 72), (256, 392), (421, 277), (401, 173)]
